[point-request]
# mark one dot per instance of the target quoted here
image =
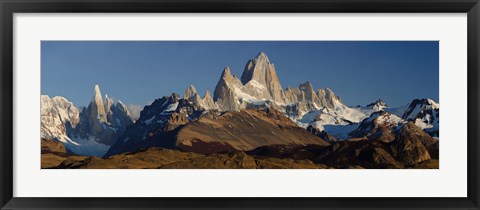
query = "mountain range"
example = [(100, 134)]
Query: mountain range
[(245, 114)]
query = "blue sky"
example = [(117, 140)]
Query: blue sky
[(138, 72)]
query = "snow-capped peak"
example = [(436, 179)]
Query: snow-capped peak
[(378, 105), (418, 105)]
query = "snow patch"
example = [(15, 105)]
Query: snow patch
[(149, 121), (171, 107), (88, 147)]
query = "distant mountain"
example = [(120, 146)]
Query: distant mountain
[(425, 113), (378, 105), (379, 126)]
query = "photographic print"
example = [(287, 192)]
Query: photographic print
[(239, 105)]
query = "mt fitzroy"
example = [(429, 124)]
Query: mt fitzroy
[(259, 85)]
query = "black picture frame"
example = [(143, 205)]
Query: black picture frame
[(9, 7)]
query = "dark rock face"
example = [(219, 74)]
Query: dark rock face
[(416, 106), (215, 132), (409, 146), (322, 134), (156, 125)]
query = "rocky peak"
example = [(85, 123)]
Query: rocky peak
[(190, 92), (309, 92), (306, 86), (207, 94), (192, 95), (378, 126), (97, 94), (327, 98), (103, 120), (378, 105), (96, 108), (261, 70), (108, 104), (207, 101), (122, 107), (226, 73), (225, 91), (418, 105), (409, 146), (174, 97)]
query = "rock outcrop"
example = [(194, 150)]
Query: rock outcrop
[(206, 102), (410, 145)]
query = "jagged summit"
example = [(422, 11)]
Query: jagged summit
[(305, 85), (418, 105), (378, 105), (207, 94), (122, 107), (97, 93), (192, 96), (96, 107), (261, 70), (103, 119), (190, 92), (226, 72), (261, 56), (259, 83)]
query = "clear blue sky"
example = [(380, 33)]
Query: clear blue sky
[(138, 72)]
